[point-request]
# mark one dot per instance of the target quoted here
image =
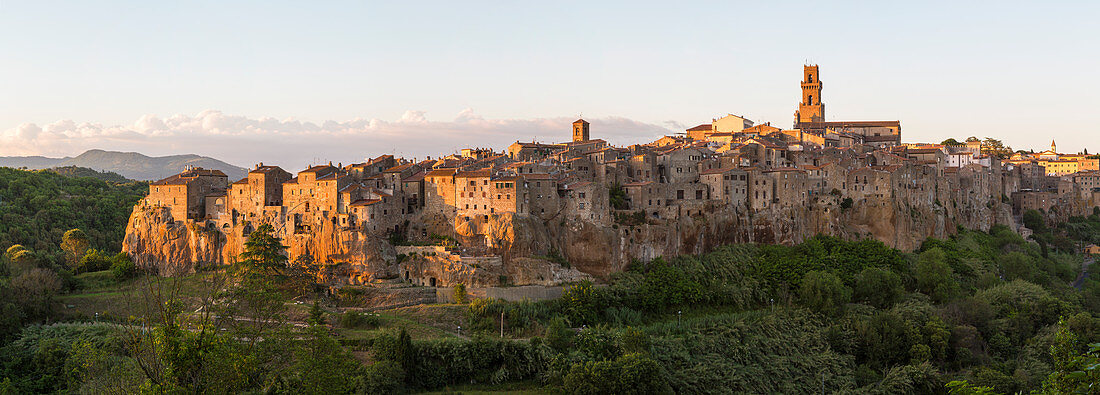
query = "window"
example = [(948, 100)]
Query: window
[(810, 78), (679, 194), (810, 99)]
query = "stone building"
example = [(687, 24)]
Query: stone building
[(868, 182), (440, 192), (728, 185), (263, 187), (1033, 200), (541, 193), (679, 165), (314, 193), (585, 200), (789, 186), (185, 193), (472, 190)]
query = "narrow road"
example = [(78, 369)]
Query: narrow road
[(1084, 273)]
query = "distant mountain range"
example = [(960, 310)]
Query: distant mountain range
[(131, 165)]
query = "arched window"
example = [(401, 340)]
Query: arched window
[(810, 78), (810, 100)]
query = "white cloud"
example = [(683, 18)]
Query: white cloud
[(295, 144)]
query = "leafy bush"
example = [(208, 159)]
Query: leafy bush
[(93, 261), (824, 292), (355, 319), (122, 267), (482, 360), (628, 374), (460, 293)]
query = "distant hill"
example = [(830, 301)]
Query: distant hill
[(131, 165), (75, 171)]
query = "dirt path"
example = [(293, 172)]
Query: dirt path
[(1084, 273)]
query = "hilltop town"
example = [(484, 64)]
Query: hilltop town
[(544, 213)]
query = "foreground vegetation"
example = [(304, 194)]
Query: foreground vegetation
[(980, 312)]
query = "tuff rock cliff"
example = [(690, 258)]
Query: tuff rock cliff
[(521, 249)]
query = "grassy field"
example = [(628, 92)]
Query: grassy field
[(422, 322), (522, 387), (101, 296)]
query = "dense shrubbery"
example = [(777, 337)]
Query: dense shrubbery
[(980, 306), (355, 319)]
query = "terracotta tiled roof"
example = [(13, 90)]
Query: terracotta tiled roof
[(538, 176), (718, 170), (398, 168), (473, 173), (784, 169), (419, 176), (441, 173), (365, 202), (188, 175), (318, 168), (700, 128)]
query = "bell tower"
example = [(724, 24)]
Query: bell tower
[(811, 109), (580, 130)]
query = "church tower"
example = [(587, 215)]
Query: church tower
[(580, 130), (811, 109), (1053, 147)]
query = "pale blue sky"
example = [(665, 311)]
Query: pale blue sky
[(1025, 72)]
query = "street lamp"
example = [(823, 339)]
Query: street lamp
[(677, 318)]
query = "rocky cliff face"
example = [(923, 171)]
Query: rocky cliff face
[(518, 250)]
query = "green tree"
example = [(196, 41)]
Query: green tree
[(824, 292), (257, 299), (996, 148), (558, 334), (616, 196), (316, 314), (1034, 220), (264, 254), (951, 141), (35, 291), (1074, 372), (878, 287), (398, 349), (122, 267), (934, 276), (581, 303), (93, 261), (75, 244)]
